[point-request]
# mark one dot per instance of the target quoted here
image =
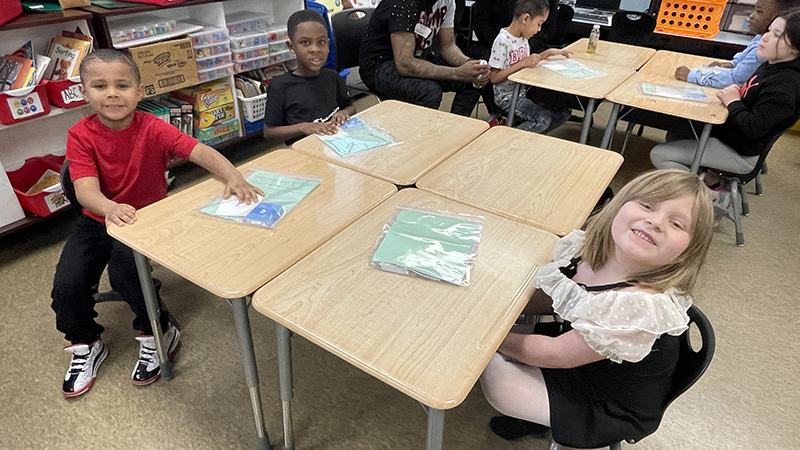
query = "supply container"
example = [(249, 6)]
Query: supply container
[(46, 201), (690, 18), (64, 93), (23, 104)]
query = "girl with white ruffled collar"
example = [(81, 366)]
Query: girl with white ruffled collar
[(624, 287)]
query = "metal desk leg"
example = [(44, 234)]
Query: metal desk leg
[(285, 378), (587, 120), (153, 313), (250, 371), (610, 127), (435, 434), (513, 108), (701, 147)]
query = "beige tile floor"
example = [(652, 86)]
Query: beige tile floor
[(749, 398)]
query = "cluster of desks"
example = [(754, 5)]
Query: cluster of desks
[(310, 275), (625, 66)]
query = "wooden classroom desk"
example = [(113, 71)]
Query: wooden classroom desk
[(631, 56), (548, 183), (427, 138), (661, 69), (665, 62), (430, 340), (232, 260), (592, 88)]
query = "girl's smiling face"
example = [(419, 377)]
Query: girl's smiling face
[(651, 235), (774, 47)]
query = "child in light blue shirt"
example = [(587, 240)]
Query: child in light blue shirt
[(744, 63)]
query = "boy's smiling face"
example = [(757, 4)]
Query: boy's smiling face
[(310, 44), (112, 90)]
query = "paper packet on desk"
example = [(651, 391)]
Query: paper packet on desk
[(571, 68), (676, 92), (355, 136), (282, 192), (437, 245)]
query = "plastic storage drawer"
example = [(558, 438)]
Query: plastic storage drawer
[(206, 50), (214, 73), (251, 52), (242, 41), (213, 61)]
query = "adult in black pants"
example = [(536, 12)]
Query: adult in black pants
[(397, 59)]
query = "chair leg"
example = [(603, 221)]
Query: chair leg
[(737, 213), (759, 187), (615, 446), (628, 133), (554, 445), (764, 168), (641, 130), (745, 205)]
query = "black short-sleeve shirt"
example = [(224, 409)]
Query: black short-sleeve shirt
[(292, 99), (394, 16)]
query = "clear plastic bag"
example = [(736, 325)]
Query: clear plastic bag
[(282, 192), (681, 91), (356, 136), (437, 245)]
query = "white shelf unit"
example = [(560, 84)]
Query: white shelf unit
[(45, 134)]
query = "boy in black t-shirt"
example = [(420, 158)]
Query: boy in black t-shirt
[(310, 100)]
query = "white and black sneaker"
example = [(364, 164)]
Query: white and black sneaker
[(83, 368), (147, 369)]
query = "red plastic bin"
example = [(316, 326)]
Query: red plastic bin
[(23, 104), (11, 10), (64, 93), (44, 203)]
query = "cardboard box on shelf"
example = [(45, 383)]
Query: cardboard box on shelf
[(206, 96), (166, 66)]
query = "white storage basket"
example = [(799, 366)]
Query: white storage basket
[(253, 108)]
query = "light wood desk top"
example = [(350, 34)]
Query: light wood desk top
[(430, 340), (628, 94), (427, 138), (597, 87), (630, 56), (665, 62), (538, 180), (232, 260)]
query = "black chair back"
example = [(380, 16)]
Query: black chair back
[(68, 187), (563, 21), (632, 27), (746, 178), (349, 27), (692, 364)]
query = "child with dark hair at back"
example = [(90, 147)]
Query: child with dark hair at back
[(765, 106), (510, 53), (117, 159), (744, 63), (623, 288), (312, 99)]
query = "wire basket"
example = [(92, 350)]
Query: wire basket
[(690, 18), (253, 107)]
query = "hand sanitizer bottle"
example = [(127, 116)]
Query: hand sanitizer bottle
[(594, 38)]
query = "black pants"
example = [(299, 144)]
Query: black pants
[(87, 251), (387, 82)]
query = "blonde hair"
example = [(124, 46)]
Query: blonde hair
[(655, 187)]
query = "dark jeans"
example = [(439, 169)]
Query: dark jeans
[(87, 251), (387, 82)]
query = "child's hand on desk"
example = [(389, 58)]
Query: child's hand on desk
[(682, 73), (319, 128), (531, 61), (121, 214), (555, 52), (729, 95), (339, 118), (723, 64), (244, 191)]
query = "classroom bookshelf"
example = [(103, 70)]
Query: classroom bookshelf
[(47, 134)]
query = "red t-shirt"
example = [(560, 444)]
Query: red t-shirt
[(129, 163)]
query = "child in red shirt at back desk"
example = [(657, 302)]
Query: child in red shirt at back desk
[(117, 158)]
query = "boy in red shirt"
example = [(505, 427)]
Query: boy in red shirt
[(118, 157)]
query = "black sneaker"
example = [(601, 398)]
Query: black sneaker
[(512, 429), (86, 359), (147, 369)]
